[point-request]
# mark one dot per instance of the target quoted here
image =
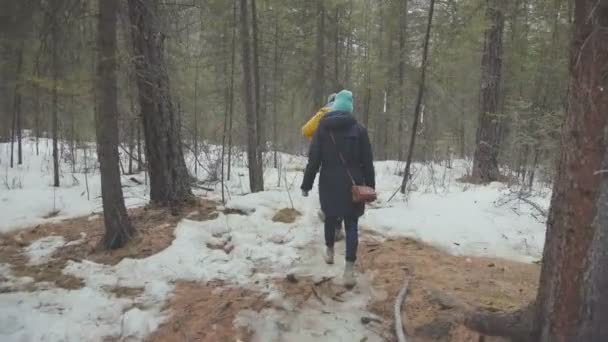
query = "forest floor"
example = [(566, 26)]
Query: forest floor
[(441, 285), (252, 269)]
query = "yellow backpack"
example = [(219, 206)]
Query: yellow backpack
[(308, 130)]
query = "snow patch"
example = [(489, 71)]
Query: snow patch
[(40, 251)]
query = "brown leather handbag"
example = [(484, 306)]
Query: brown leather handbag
[(361, 193)]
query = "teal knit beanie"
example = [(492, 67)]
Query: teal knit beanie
[(343, 102)]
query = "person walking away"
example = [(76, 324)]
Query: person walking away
[(341, 149), (308, 131)]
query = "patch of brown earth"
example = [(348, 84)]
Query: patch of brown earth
[(126, 292), (154, 227), (286, 215), (443, 286), (206, 312)]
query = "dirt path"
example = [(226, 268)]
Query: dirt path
[(314, 303)]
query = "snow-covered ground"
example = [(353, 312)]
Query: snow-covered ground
[(459, 218)]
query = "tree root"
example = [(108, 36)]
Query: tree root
[(518, 325)]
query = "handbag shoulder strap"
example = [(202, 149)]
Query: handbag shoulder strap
[(333, 139)]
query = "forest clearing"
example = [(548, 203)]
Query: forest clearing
[(327, 170)]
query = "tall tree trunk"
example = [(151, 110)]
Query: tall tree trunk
[(118, 227), (569, 306), (402, 56), (260, 102), (349, 47), (169, 178), (425, 53), (463, 135), (17, 108), (254, 157), (140, 165), (275, 95), (337, 48), (228, 93), (319, 85), (231, 98), (571, 225), (595, 303), (37, 109), (368, 67), (72, 135), (195, 113), (55, 72), (131, 146), (485, 166)]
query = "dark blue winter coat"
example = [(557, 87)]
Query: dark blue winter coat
[(335, 186)]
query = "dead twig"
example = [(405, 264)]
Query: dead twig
[(323, 281), (317, 295)]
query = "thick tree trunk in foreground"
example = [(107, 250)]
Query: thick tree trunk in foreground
[(118, 228), (572, 301), (485, 166), (572, 218), (254, 151), (169, 178), (595, 306)]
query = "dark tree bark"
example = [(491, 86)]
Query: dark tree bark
[(229, 97), (17, 105), (118, 227), (367, 100), (275, 95), (569, 306), (16, 122), (485, 166), (571, 226), (319, 80), (260, 102), (425, 53), (140, 165), (595, 302), (55, 71), (195, 123), (169, 178), (349, 47), (37, 109), (254, 155), (337, 43), (402, 56)]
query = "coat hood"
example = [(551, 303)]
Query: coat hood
[(338, 120)]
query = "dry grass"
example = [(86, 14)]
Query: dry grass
[(206, 312), (154, 227), (286, 215), (442, 285)]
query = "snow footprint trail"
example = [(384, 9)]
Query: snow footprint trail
[(331, 313)]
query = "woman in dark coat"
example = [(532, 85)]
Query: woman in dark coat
[(340, 134)]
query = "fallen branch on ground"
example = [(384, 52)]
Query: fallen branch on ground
[(398, 305), (196, 186), (535, 206)]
